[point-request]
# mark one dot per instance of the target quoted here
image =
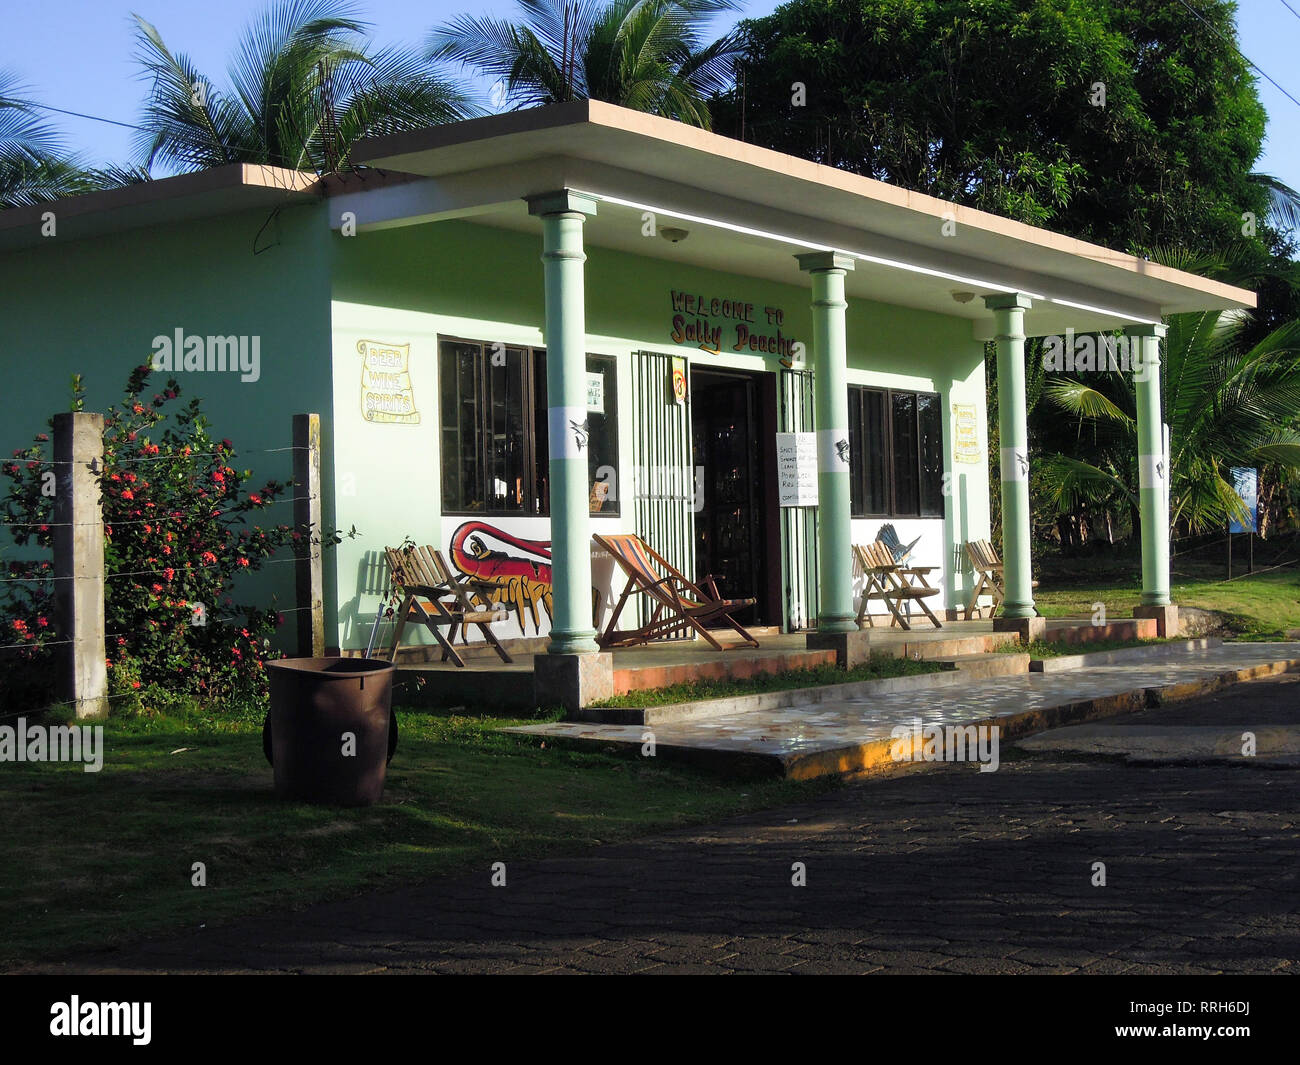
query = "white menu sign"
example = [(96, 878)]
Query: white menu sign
[(796, 466)]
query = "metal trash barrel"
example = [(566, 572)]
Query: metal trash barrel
[(331, 731)]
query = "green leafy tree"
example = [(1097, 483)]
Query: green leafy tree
[(649, 55), (1130, 124), (305, 85)]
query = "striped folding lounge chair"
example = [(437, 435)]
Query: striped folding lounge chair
[(677, 603)]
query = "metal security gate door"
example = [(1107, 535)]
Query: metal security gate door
[(665, 483), (798, 524)]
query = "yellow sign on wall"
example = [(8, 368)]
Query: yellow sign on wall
[(965, 433), (386, 391)]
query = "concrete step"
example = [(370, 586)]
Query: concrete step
[(1123, 654), (775, 700), (733, 665), (994, 664), (1077, 630)]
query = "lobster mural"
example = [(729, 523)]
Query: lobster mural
[(512, 570)]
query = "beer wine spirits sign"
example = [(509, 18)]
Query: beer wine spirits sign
[(709, 322), (966, 439), (386, 392)]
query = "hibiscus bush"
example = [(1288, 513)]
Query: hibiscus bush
[(177, 535)]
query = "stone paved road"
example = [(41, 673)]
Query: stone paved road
[(941, 870)]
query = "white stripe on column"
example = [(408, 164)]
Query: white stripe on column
[(832, 451), (568, 432), (1015, 464)]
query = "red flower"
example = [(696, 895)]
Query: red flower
[(208, 557), (43, 622), (127, 493), (218, 476), (255, 499), (135, 684), (169, 573), (243, 562)]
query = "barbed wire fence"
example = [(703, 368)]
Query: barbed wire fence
[(77, 577)]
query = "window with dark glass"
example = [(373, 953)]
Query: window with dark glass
[(494, 429), (895, 453)]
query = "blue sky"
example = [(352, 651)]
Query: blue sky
[(77, 55)]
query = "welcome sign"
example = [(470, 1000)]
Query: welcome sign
[(710, 321), (386, 391)]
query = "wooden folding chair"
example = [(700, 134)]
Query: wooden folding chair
[(892, 584), (677, 602), (433, 596), (987, 565)]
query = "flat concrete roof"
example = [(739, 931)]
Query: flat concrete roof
[(635, 160), (221, 190), (747, 210)]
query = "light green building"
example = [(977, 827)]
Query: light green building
[(497, 324)]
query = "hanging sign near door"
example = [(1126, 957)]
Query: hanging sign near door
[(677, 385), (796, 469)]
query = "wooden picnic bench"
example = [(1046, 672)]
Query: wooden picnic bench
[(893, 584)]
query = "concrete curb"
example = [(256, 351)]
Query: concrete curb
[(775, 700), (875, 756), (1124, 654)]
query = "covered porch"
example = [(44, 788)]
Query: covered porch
[(587, 177)]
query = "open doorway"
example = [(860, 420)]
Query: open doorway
[(737, 530)]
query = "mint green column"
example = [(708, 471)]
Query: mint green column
[(1009, 333), (563, 214), (831, 404), (1153, 477)]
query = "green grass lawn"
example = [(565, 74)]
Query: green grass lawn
[(877, 668), (1259, 606), (93, 859)]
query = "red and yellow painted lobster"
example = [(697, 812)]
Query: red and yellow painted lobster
[(521, 577)]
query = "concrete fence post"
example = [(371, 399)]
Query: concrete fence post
[(309, 577), (79, 562)]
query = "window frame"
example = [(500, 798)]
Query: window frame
[(529, 422), (858, 404)]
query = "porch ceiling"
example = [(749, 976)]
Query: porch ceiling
[(748, 210)]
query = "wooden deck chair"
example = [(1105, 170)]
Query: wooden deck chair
[(433, 596), (888, 535), (893, 584), (989, 579), (677, 602)]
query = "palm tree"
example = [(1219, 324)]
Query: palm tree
[(304, 87), (1283, 202), (1228, 400), (33, 165), (648, 55)]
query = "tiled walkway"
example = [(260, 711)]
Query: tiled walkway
[(830, 726)]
